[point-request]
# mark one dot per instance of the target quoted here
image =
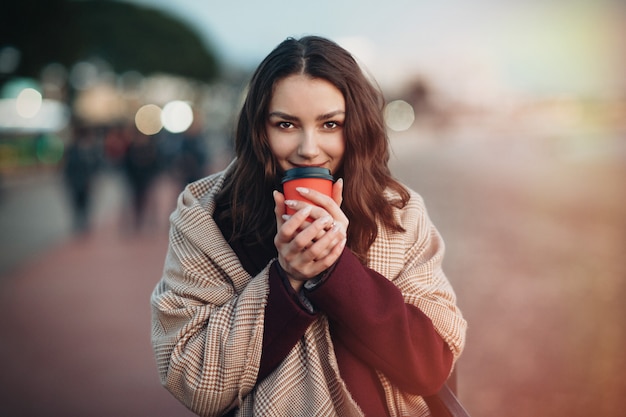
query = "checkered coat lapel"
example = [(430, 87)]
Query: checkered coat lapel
[(208, 317)]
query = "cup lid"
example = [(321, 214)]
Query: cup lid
[(307, 172)]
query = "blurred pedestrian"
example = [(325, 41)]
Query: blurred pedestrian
[(339, 309), (141, 166), (116, 142), (81, 163), (191, 158)]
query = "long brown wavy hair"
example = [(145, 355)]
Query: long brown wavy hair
[(246, 198)]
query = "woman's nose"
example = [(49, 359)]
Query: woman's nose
[(309, 146)]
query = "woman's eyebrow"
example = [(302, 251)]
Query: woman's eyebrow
[(284, 116), (321, 117), (330, 115)]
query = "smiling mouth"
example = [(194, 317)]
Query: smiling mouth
[(309, 165)]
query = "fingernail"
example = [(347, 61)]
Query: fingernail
[(302, 190), (307, 210), (291, 203), (327, 219), (286, 217)]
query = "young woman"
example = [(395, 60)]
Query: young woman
[(339, 309)]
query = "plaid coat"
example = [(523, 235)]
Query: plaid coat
[(208, 315)]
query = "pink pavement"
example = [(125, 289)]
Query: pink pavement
[(75, 326)]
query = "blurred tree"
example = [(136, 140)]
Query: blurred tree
[(127, 36)]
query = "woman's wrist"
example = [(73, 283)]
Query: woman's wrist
[(310, 284), (294, 287), (295, 284)]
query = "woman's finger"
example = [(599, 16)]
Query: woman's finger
[(308, 236), (316, 211), (338, 191), (288, 229), (326, 250), (279, 207), (327, 203)]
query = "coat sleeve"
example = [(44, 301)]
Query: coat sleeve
[(368, 314), (207, 315), (400, 316)]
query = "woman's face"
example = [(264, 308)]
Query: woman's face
[(305, 123)]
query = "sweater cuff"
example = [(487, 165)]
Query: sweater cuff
[(318, 282), (298, 297), (313, 283)]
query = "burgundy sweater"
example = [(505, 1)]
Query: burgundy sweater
[(371, 328)]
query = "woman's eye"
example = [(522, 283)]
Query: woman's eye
[(285, 125), (331, 125)]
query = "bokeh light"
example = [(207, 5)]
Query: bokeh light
[(399, 115), (177, 116), (9, 59), (49, 149), (148, 119), (28, 103), (83, 75), (101, 103)]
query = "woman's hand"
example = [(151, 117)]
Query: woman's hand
[(306, 249)]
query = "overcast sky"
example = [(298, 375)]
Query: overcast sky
[(547, 46)]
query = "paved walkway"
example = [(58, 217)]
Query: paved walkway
[(535, 229), (75, 325)]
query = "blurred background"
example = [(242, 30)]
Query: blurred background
[(508, 117)]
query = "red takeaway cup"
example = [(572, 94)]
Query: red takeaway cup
[(315, 178)]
